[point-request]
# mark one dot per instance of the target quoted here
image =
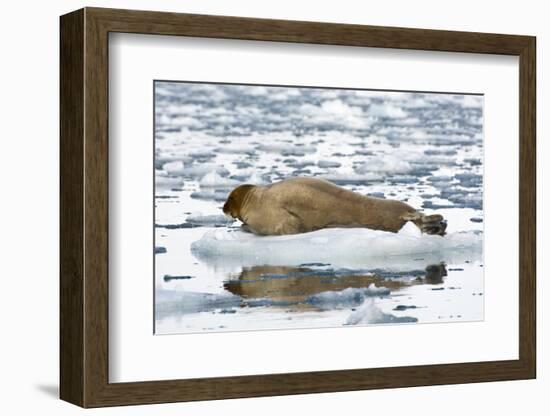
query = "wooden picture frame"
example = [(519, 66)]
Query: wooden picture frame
[(84, 207)]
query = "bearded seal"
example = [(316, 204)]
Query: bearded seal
[(303, 204)]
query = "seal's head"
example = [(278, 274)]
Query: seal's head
[(236, 199)]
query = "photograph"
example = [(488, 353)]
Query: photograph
[(295, 207)]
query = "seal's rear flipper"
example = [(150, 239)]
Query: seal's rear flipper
[(429, 224), (433, 224)]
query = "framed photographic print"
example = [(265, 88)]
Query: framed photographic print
[(255, 207)]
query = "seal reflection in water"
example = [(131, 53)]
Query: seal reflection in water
[(300, 205), (295, 285)]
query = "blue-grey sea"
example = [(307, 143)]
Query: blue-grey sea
[(422, 148)]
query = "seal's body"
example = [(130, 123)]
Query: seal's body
[(300, 205)]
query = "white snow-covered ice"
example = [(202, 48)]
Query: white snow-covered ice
[(340, 247)]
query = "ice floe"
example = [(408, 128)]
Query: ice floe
[(286, 149), (369, 314), (328, 164), (170, 301), (346, 298), (198, 171), (214, 180), (165, 182), (341, 247), (386, 110), (389, 164), (335, 112), (217, 195), (199, 220), (352, 178), (257, 179), (212, 220)]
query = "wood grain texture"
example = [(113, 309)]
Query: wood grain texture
[(84, 207), (96, 208), (162, 23), (71, 218), (527, 208)]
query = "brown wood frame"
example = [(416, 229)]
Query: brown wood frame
[(84, 207)]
